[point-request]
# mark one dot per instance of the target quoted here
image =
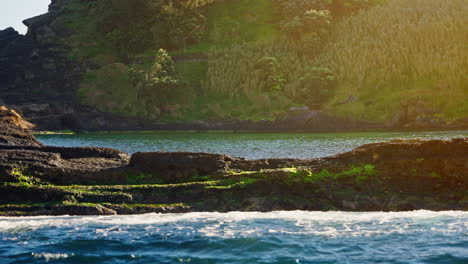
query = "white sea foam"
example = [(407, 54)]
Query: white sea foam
[(50, 256), (330, 224)]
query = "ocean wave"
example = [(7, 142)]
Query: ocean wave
[(239, 237), (304, 220)]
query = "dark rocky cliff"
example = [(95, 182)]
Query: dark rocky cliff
[(36, 76)]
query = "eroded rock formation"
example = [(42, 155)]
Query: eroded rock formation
[(21, 151), (14, 130), (390, 176)]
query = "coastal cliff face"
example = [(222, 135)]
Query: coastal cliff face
[(40, 79), (399, 175), (37, 77)]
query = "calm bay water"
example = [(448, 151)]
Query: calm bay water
[(236, 237), (252, 146), (275, 237)]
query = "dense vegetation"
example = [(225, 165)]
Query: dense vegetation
[(401, 53), (255, 59)]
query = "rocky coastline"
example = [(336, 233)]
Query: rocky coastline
[(399, 175)]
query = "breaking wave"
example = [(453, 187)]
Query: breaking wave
[(239, 237)]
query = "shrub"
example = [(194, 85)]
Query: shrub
[(311, 21), (109, 89), (270, 71), (288, 9), (159, 89), (127, 90), (316, 86)]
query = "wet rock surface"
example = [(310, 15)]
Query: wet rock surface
[(21, 153), (398, 175), (179, 166)]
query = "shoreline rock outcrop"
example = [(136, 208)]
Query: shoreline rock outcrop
[(21, 151), (399, 175), (14, 130)]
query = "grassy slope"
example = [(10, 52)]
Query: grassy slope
[(230, 23), (400, 53), (392, 55)]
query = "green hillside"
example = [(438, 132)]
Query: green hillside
[(399, 54), (244, 59)]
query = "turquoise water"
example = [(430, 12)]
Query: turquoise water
[(235, 238), (252, 146), (239, 238)]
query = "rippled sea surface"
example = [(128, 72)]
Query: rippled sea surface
[(275, 237), (252, 146)]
